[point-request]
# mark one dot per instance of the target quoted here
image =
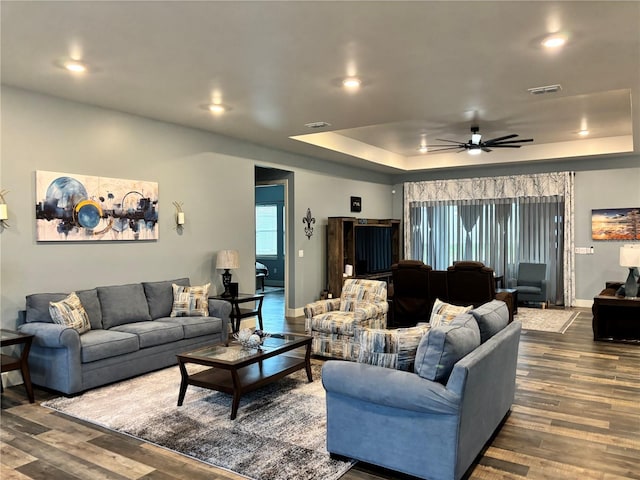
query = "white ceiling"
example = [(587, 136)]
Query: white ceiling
[(430, 69)]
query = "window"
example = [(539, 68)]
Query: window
[(266, 230)]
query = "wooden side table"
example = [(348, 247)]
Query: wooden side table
[(238, 313), (10, 363), (616, 319)]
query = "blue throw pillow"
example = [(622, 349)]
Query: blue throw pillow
[(443, 346), (491, 317)]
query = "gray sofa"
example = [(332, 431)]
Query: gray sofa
[(431, 429), (131, 333)]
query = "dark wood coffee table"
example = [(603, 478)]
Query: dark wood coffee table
[(236, 371)]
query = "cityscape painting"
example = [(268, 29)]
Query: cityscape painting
[(72, 207), (615, 224)]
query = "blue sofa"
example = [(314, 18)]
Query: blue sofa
[(131, 333), (431, 422)]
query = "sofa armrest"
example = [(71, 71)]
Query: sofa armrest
[(221, 309), (321, 306), (403, 390), (51, 335)]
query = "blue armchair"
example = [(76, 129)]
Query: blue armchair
[(531, 283)]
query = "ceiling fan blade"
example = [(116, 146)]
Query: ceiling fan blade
[(512, 141), (450, 141), (505, 146), (485, 149), (440, 149), (498, 139)]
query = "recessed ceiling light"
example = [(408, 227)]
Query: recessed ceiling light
[(216, 108), (583, 133), (554, 41), (423, 149), (351, 82), (73, 66)]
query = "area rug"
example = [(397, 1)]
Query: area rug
[(279, 433), (545, 320)]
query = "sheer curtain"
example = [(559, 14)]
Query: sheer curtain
[(500, 221)]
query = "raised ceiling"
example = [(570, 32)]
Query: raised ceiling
[(429, 70)]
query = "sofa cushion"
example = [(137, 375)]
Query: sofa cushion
[(152, 333), (190, 301), (160, 296), (123, 304), (195, 326), (70, 313), (439, 351), (38, 306), (391, 348), (443, 313), (99, 344), (491, 317), (91, 304)]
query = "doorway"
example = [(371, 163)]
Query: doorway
[(272, 193)]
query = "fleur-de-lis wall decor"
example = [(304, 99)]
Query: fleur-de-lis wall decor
[(308, 220)]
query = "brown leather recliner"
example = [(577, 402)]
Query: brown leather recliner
[(411, 300), (470, 283)]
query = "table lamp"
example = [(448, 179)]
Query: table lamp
[(630, 257), (226, 260)]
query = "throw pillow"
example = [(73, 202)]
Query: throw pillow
[(491, 317), (391, 348), (441, 349), (70, 313), (190, 301), (443, 313)]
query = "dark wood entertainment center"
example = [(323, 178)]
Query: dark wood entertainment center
[(342, 249)]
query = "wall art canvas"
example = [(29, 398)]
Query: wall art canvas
[(72, 207), (615, 224)]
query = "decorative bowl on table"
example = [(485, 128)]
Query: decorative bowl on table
[(251, 339)]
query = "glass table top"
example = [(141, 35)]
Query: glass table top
[(235, 352)]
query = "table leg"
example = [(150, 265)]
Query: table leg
[(307, 363), (183, 383), (24, 368), (260, 312), (235, 403)]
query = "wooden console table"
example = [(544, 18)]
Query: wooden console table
[(616, 319)]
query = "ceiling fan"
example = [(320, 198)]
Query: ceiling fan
[(476, 145)]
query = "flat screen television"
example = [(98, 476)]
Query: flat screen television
[(373, 249)]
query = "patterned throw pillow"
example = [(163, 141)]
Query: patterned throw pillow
[(190, 301), (443, 313), (391, 348), (70, 312)]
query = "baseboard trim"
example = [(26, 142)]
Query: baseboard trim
[(295, 312), (584, 303)]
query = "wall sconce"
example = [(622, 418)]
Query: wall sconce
[(4, 211), (179, 214)]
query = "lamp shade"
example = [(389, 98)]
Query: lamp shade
[(227, 259), (630, 256)]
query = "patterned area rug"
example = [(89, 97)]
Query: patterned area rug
[(279, 433), (545, 320)]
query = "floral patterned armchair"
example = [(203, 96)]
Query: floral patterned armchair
[(334, 324)]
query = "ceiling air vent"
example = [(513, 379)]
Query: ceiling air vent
[(543, 90), (317, 125)]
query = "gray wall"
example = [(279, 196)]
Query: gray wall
[(596, 190), (212, 175)]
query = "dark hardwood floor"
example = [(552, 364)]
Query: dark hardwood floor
[(576, 416)]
